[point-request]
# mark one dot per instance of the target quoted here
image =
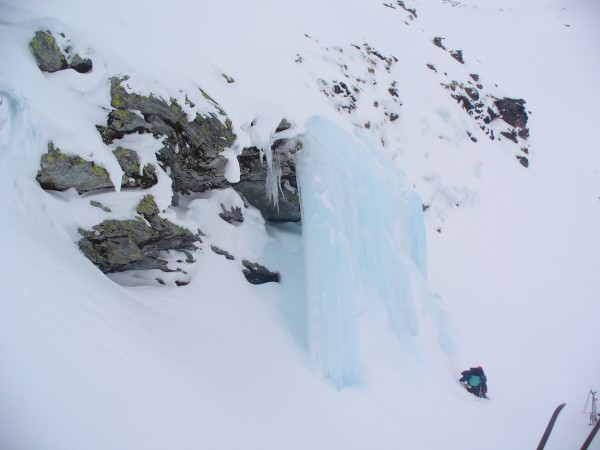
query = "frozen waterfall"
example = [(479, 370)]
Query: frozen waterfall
[(364, 244)]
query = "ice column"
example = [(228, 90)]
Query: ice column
[(363, 240)]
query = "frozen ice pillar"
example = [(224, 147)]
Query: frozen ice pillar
[(364, 240)]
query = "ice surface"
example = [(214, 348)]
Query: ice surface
[(363, 240)]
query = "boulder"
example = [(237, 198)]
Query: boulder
[(48, 55), (59, 172)]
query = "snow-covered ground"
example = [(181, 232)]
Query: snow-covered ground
[(509, 279)]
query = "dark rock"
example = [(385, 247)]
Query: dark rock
[(464, 102), (100, 205), (474, 76), (253, 182), (473, 138), (188, 257), (472, 93), (222, 252), (512, 111), (59, 172), (492, 113), (341, 88), (437, 41), (412, 11), (432, 67), (457, 55), (118, 245), (512, 135), (233, 215), (81, 65), (48, 55), (523, 160), (283, 125), (524, 133), (257, 274), (229, 79)]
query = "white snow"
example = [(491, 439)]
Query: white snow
[(508, 278)]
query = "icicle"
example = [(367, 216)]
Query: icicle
[(272, 181)]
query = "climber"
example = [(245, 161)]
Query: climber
[(475, 381)]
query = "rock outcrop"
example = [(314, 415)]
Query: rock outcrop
[(119, 245), (59, 172), (512, 111), (192, 148), (253, 185)]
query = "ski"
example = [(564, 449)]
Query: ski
[(590, 437), (546, 434)]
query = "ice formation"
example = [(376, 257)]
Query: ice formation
[(364, 244)]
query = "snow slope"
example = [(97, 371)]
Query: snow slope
[(512, 253)]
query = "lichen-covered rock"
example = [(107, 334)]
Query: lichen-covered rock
[(48, 55), (119, 245), (283, 125), (257, 274), (253, 184), (192, 149), (130, 164), (59, 172)]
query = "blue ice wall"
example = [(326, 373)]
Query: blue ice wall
[(364, 240)]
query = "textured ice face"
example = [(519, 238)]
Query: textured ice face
[(364, 245)]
